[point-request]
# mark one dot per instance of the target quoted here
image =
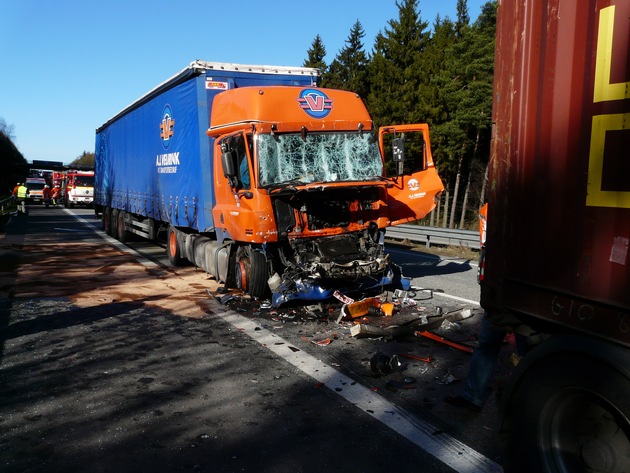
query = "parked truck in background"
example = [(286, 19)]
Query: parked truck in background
[(557, 266), (78, 188), (264, 180)]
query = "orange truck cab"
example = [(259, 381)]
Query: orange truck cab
[(296, 194)]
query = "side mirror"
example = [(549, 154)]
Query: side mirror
[(398, 149), (398, 154), (228, 162)]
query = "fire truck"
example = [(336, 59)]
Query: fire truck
[(78, 188)]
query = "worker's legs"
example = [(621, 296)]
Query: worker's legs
[(484, 357)]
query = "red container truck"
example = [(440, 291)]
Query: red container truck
[(557, 266)]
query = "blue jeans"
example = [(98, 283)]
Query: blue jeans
[(482, 363)]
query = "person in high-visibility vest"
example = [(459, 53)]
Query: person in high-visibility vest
[(22, 193)]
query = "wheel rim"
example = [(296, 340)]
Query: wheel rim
[(581, 431), (243, 264), (172, 243)]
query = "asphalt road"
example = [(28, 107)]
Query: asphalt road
[(136, 386)]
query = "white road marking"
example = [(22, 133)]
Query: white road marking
[(112, 241), (441, 446), (461, 299)]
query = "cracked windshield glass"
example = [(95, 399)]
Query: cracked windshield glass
[(318, 157)]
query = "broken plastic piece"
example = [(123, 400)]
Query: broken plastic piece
[(360, 308), (343, 298), (321, 343), (227, 298), (387, 308)]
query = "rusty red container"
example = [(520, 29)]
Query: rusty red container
[(559, 191)]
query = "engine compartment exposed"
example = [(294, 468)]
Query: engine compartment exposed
[(297, 211), (336, 257)]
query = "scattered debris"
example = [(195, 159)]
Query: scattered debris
[(343, 298), (424, 322), (404, 383), (382, 364), (448, 378), (445, 341), (415, 357), (224, 299), (371, 306), (321, 343)]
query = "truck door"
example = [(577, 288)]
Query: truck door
[(415, 184), (240, 209)]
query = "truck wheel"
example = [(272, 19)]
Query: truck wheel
[(252, 272), (113, 218), (121, 233), (107, 220), (569, 412), (173, 249)]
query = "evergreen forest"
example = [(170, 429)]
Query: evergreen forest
[(441, 75)]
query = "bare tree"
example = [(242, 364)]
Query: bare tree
[(6, 129)]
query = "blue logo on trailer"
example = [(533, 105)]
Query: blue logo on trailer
[(315, 103), (167, 127)]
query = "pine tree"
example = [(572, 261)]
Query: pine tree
[(316, 55), (348, 71), (395, 71)]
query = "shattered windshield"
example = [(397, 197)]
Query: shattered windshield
[(318, 157)]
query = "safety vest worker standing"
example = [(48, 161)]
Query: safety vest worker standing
[(22, 193)]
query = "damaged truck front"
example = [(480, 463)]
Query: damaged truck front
[(296, 194)]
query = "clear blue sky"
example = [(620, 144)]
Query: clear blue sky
[(67, 66)]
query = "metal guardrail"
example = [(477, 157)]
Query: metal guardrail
[(8, 208), (434, 235)]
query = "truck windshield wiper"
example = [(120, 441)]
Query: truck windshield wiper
[(288, 185)]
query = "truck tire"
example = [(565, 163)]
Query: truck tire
[(568, 413), (173, 248), (113, 226), (252, 272), (121, 233), (107, 220)]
